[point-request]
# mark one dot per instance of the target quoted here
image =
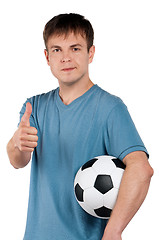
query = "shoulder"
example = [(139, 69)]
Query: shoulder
[(109, 98), (108, 101), (44, 97), (41, 100), (40, 104)]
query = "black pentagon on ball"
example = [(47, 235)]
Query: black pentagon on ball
[(103, 212), (79, 192), (89, 163), (103, 183), (118, 163)]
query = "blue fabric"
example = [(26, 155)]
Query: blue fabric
[(97, 123)]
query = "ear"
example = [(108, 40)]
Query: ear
[(91, 53), (47, 56)]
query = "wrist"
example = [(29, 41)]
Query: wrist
[(112, 233), (113, 228)]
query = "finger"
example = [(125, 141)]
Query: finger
[(28, 137), (26, 149), (29, 144), (25, 118), (33, 130), (28, 130)]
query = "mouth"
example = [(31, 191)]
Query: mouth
[(68, 69)]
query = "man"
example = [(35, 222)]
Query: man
[(67, 127)]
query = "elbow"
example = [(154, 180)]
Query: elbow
[(139, 164), (147, 173), (150, 172)]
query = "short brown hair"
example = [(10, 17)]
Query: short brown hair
[(66, 23)]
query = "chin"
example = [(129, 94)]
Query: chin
[(68, 82)]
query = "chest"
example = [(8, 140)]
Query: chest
[(72, 125), (69, 138)]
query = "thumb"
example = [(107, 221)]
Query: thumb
[(25, 118)]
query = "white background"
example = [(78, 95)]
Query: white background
[(126, 64)]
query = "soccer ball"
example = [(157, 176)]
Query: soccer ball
[(97, 183)]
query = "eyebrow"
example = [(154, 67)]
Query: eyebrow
[(76, 45), (72, 46)]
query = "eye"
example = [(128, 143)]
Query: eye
[(56, 50), (76, 49)]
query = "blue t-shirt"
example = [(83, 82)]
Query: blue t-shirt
[(97, 123)]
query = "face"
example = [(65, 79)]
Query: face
[(68, 58)]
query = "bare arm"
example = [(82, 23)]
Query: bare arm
[(23, 142), (17, 158), (133, 190)]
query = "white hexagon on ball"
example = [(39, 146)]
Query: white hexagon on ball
[(93, 193), (116, 177), (102, 166), (86, 178), (110, 197)]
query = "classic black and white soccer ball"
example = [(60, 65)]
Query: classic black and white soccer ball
[(97, 183)]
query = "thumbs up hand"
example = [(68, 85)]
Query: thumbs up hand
[(25, 138)]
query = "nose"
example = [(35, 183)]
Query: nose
[(65, 58)]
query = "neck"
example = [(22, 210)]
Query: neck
[(69, 93)]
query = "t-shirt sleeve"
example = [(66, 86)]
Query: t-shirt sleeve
[(122, 136), (32, 118)]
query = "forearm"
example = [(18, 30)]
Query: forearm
[(133, 190), (18, 159), (131, 195)]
